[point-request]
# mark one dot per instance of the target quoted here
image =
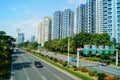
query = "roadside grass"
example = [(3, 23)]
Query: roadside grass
[(70, 70)]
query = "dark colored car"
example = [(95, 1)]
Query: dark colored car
[(38, 64), (102, 64)]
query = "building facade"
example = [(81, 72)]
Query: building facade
[(68, 23), (32, 38), (57, 25), (21, 38), (80, 18), (90, 16), (45, 30), (100, 16), (114, 19), (108, 18)]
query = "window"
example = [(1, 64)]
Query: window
[(119, 38), (118, 16), (118, 34), (109, 21), (118, 4), (109, 17), (118, 25), (118, 12), (118, 8), (109, 25), (109, 30), (110, 34), (109, 5), (109, 9), (109, 13), (118, 29)]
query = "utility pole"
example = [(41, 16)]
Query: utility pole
[(68, 48)]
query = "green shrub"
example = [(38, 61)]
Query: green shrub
[(91, 73), (75, 68), (51, 58), (107, 61), (95, 73), (101, 76), (94, 59), (64, 63), (46, 56), (118, 64), (55, 59), (83, 69)]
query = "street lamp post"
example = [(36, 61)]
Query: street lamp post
[(68, 62), (68, 51)]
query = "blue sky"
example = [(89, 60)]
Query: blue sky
[(27, 14)]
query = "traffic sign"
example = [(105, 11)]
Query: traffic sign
[(93, 49), (40, 46), (112, 49), (100, 50), (86, 49), (106, 51)]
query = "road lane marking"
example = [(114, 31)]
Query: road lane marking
[(35, 68), (54, 74), (44, 78), (57, 77), (39, 73), (24, 70)]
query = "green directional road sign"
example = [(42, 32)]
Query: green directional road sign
[(93, 49), (86, 49), (39, 46), (100, 50), (106, 51), (112, 49)]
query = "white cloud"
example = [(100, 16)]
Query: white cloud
[(28, 27)]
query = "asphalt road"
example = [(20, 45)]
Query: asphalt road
[(112, 70), (24, 69)]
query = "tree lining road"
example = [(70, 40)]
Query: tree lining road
[(112, 70), (24, 69)]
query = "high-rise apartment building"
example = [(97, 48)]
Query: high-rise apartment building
[(63, 24), (57, 25), (99, 27), (108, 18), (101, 16), (90, 16), (32, 38), (45, 30), (80, 18), (113, 21), (21, 38), (68, 23)]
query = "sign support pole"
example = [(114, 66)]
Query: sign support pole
[(78, 57), (116, 57)]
